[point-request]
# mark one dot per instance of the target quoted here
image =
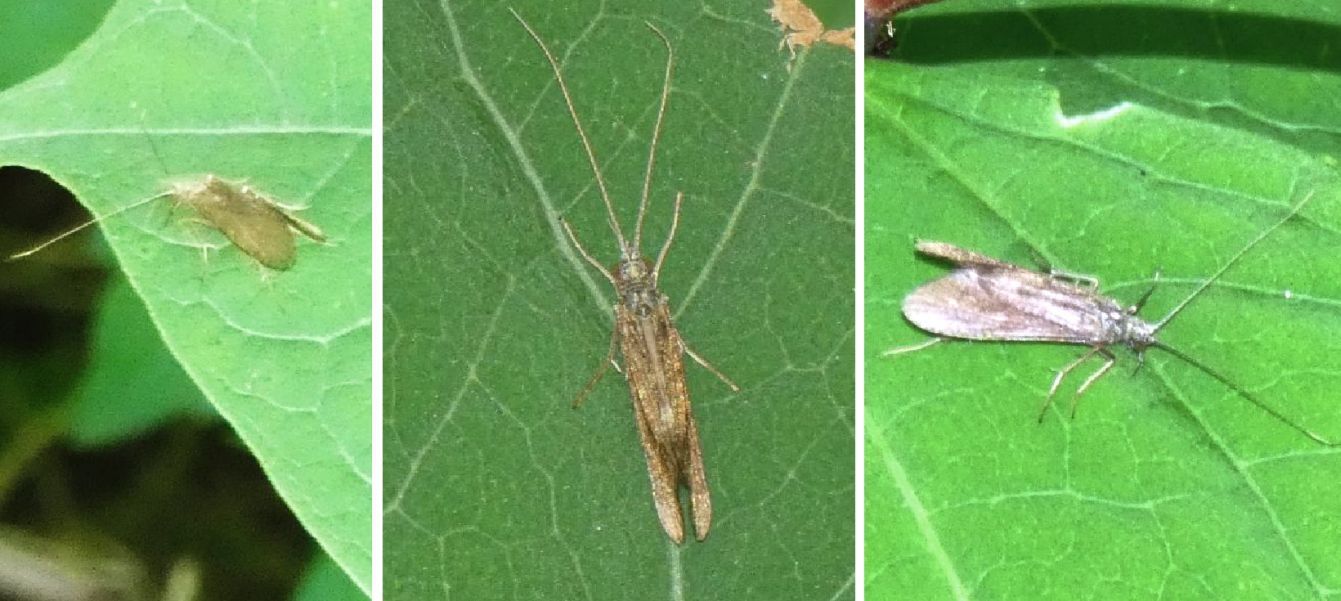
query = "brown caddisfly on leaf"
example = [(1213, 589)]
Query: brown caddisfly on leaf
[(989, 299), (646, 336), (250, 220)]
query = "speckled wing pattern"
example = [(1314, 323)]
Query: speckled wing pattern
[(988, 299), (654, 366)]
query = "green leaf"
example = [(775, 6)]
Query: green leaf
[(1167, 484), (127, 348), (325, 581), (36, 35), (495, 485), (277, 94), (1261, 66)]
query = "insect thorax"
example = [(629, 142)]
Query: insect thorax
[(1133, 331), (637, 291)]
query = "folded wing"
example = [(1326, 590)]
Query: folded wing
[(984, 303)]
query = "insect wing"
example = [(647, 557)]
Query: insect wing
[(248, 221), (305, 228), (255, 230), (698, 483), (662, 473), (654, 366), (982, 303), (959, 256)]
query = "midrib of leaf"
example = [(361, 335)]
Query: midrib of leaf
[(523, 159), (28, 135), (948, 166)]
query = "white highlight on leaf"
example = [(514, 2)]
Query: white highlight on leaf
[(1095, 117)]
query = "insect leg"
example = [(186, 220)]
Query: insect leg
[(899, 350), (1075, 399), (586, 255), (600, 371), (708, 366), (1079, 278), (1057, 381), (1140, 362), (1061, 274), (194, 232), (675, 222)]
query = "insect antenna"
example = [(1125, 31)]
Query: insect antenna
[(76, 229), (1247, 395), (1208, 281), (1216, 374), (581, 133), (153, 147), (656, 135)]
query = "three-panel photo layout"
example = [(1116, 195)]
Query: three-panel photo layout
[(786, 300)]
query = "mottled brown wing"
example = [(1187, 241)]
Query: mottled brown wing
[(251, 223), (654, 367), (685, 442), (698, 484), (987, 303), (661, 473)]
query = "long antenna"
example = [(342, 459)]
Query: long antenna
[(153, 147), (76, 229), (581, 133), (656, 135), (1245, 394), (1232, 261)]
